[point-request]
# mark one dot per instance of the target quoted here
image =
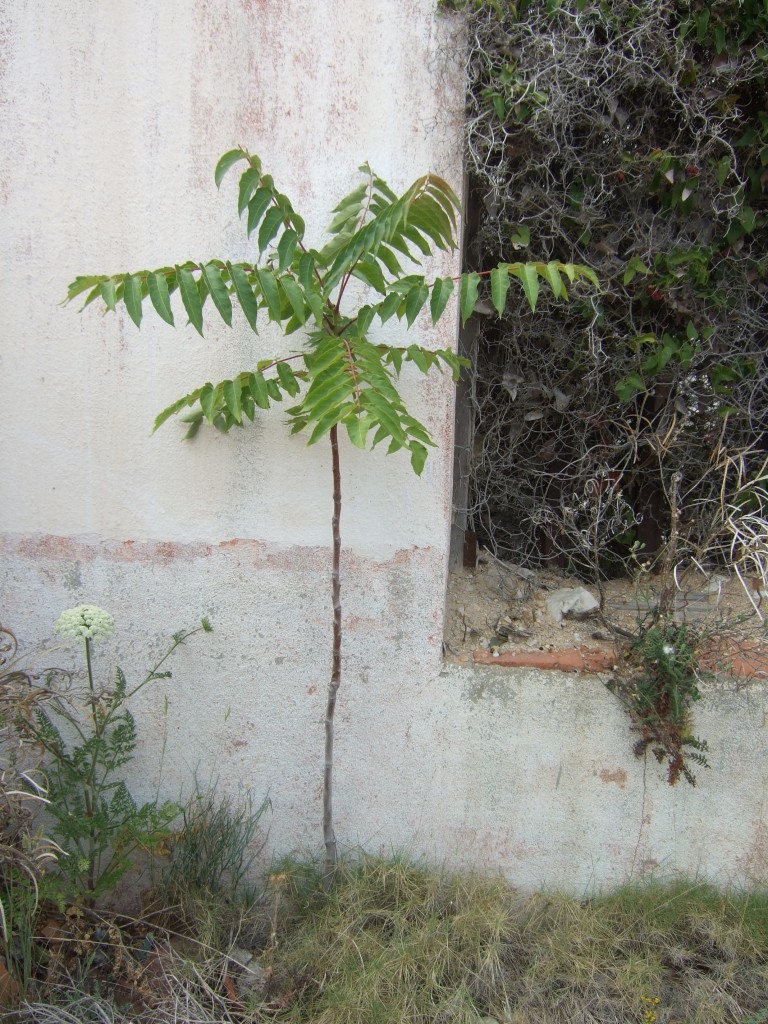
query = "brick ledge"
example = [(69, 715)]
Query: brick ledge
[(747, 660)]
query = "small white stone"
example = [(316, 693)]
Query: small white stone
[(571, 602)]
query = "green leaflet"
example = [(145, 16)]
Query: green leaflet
[(249, 182), (287, 379), (394, 356), (357, 428), (442, 289), (209, 401), (218, 292), (132, 297), (271, 294), (422, 358), (430, 218), (418, 457), (442, 193), (418, 240), (470, 283), (159, 295), (330, 419), (257, 386), (365, 317), (83, 284), (231, 391), (273, 219), (328, 392), (385, 255), (315, 303), (530, 281), (384, 414), (329, 352), (175, 407), (286, 248), (296, 221), (295, 297), (389, 306), (226, 162), (416, 298), (499, 287), (107, 290), (244, 293), (369, 271), (307, 271), (257, 207), (348, 210), (190, 297), (552, 274)]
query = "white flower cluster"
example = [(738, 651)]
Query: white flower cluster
[(86, 622)]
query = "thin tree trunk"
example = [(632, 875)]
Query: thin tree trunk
[(329, 836)]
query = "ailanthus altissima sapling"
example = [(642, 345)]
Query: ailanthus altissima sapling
[(339, 376)]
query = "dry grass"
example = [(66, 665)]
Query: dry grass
[(394, 943)]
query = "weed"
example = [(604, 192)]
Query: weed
[(658, 687), (85, 745), (217, 844), (210, 875), (25, 853)]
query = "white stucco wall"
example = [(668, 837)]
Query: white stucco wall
[(113, 116)]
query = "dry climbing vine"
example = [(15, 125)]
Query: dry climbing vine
[(631, 137), (625, 432)]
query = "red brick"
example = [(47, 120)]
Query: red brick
[(571, 659)]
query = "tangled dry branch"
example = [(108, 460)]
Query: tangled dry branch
[(631, 137)]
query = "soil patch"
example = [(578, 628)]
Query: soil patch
[(500, 609)]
